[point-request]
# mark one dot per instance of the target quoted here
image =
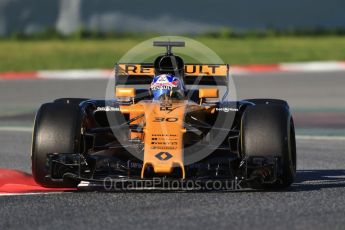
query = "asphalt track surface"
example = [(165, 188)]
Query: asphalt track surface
[(315, 201)]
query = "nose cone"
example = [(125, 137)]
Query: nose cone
[(164, 136)]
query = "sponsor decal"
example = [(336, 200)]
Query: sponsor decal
[(170, 139), (226, 109), (167, 119), (164, 147), (164, 81), (211, 70), (167, 106), (164, 143), (190, 70), (164, 135), (163, 156), (135, 165), (136, 69), (107, 109)]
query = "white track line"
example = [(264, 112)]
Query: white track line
[(323, 138), (30, 193), (316, 66), (75, 74), (15, 129)]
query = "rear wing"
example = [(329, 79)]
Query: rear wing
[(195, 74)]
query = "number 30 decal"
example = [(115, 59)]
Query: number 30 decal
[(168, 119)]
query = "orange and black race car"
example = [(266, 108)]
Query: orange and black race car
[(169, 126)]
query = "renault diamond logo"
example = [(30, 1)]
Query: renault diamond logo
[(163, 156)]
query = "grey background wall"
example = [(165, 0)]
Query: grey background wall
[(174, 16)]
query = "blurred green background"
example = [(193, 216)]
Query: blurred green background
[(65, 34), (37, 54)]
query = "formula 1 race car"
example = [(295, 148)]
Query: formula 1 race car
[(167, 127)]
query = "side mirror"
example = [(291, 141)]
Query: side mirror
[(125, 93), (208, 93)]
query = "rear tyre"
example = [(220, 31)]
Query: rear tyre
[(267, 130), (57, 129)]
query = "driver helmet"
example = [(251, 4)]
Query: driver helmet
[(167, 86)]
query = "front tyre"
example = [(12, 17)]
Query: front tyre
[(268, 131), (57, 129)]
